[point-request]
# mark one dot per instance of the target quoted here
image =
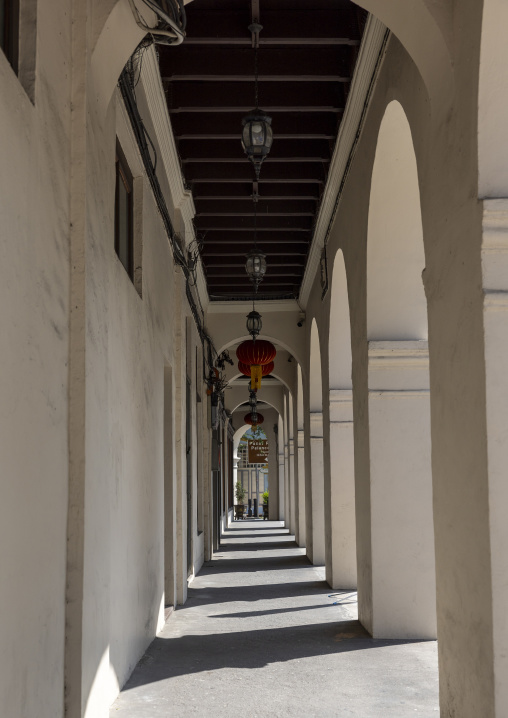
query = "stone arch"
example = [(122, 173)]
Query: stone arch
[(116, 41), (315, 507), (340, 509), (277, 341), (403, 600), (424, 27), (339, 346), (396, 304)]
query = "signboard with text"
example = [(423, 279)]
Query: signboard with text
[(258, 451)]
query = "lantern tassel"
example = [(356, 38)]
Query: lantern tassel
[(256, 372)]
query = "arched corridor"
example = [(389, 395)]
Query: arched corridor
[(261, 634), (288, 215)]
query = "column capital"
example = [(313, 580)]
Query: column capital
[(398, 365), (495, 250), (341, 405), (316, 424)]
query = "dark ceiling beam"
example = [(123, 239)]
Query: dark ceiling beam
[(279, 287), (277, 23), (215, 208), (296, 123), (268, 192), (282, 150), (271, 109), (210, 96), (240, 265), (235, 136), (299, 41), (186, 60), (234, 275), (261, 78), (242, 171), (271, 160), (265, 223), (278, 224), (284, 253), (252, 214), (244, 240)]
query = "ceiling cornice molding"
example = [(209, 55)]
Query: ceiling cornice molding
[(181, 197), (265, 306), (372, 46)]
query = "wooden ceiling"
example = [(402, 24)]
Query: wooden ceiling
[(307, 52)]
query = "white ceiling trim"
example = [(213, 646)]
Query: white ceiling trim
[(372, 46)]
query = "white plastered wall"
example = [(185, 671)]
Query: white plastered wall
[(34, 315)]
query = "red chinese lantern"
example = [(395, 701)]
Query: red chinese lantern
[(254, 422), (258, 352), (265, 369)]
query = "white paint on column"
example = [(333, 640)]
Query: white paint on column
[(318, 496), (495, 285), (403, 563)]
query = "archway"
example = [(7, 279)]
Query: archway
[(340, 510), (316, 507), (403, 602)]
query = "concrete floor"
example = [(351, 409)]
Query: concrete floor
[(261, 636)]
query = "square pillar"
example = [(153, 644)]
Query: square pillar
[(300, 516), (317, 488), (341, 534), (495, 317), (403, 561)]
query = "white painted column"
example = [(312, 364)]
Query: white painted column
[(287, 481), (403, 562), (300, 518), (273, 466), (495, 307), (341, 564), (292, 483), (282, 479), (317, 484)]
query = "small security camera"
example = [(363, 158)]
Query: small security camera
[(301, 319)]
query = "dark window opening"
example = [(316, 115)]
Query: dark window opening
[(9, 31), (124, 235)]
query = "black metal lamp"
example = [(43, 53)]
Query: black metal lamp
[(257, 136), (255, 265), (254, 323)]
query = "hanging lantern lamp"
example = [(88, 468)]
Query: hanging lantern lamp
[(254, 418), (255, 266), (257, 136), (256, 352), (254, 323)]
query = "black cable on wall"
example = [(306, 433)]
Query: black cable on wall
[(126, 85)]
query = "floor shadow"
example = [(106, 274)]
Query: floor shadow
[(239, 527), (258, 592), (256, 535), (184, 655), (268, 546), (261, 563), (273, 611)]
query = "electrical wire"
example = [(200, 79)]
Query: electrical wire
[(174, 36), (143, 139)]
